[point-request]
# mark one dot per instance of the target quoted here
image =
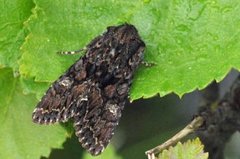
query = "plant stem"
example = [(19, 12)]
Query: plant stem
[(190, 128)]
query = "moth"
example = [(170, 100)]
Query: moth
[(93, 91)]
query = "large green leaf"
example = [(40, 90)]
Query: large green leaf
[(191, 42), (13, 14), (20, 138)]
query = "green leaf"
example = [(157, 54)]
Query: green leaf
[(13, 14), (30, 86), (191, 42), (7, 85), (188, 150), (20, 138)]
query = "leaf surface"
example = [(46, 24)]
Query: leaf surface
[(20, 138), (191, 42), (188, 150)]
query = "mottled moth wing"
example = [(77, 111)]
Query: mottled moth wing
[(62, 99), (95, 125), (93, 91)]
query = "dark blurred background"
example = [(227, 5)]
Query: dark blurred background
[(147, 123)]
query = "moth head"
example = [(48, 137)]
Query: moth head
[(125, 40), (124, 33)]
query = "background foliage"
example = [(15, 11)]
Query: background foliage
[(191, 42)]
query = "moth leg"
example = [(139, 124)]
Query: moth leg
[(72, 52), (148, 64)]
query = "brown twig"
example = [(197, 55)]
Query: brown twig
[(190, 128)]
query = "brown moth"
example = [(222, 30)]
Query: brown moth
[(94, 89)]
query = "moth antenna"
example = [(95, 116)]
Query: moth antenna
[(147, 64), (72, 52)]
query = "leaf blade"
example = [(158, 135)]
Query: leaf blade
[(183, 38), (20, 137), (192, 149)]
